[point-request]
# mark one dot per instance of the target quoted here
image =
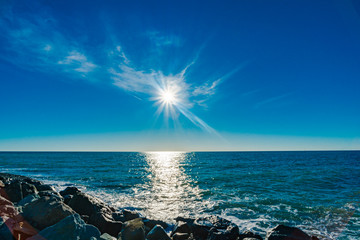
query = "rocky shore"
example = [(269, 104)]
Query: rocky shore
[(30, 209)]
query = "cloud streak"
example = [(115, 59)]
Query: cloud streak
[(33, 42)]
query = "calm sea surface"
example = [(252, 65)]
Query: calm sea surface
[(316, 191)]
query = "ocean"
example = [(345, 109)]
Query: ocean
[(319, 192)]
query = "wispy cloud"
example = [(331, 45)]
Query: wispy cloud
[(34, 42)]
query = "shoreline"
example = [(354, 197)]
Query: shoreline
[(33, 210)]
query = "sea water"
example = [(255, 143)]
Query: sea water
[(318, 192)]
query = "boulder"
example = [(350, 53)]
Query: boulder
[(180, 236), (8, 211), (45, 211), (282, 232), (28, 199), (105, 223), (17, 190), (70, 228), (150, 224), (130, 215), (249, 235), (201, 227), (50, 193), (45, 187), (133, 230), (100, 215), (157, 233), (181, 227), (69, 191)]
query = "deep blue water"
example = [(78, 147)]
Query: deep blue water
[(316, 191)]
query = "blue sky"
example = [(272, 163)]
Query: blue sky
[(179, 75)]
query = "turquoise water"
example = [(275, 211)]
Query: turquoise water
[(316, 191)]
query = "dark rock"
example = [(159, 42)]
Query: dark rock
[(45, 212), (250, 238), (17, 190), (157, 233), (231, 233), (105, 223), (70, 228), (133, 230), (201, 227), (282, 232), (181, 227), (6, 229), (100, 215), (130, 215), (51, 194), (69, 191), (248, 234), (150, 224), (180, 236), (67, 198), (45, 187), (85, 204)]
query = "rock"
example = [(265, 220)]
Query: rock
[(2, 184), (282, 232), (67, 198), (180, 236), (45, 187), (201, 226), (133, 230), (249, 235), (105, 223), (28, 199), (100, 215), (231, 233), (85, 204), (181, 227), (6, 229), (51, 194), (17, 190), (106, 236), (70, 228), (150, 224), (4, 201), (157, 233), (130, 215), (8, 211), (45, 211), (69, 191)]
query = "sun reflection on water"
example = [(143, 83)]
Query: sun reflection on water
[(169, 192)]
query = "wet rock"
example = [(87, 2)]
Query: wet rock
[(17, 190), (181, 227), (249, 235), (67, 198), (282, 232), (69, 191), (45, 212), (201, 227), (106, 236), (70, 228), (133, 230), (157, 233), (180, 236), (150, 224)]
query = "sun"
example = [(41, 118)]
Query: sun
[(168, 97)]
